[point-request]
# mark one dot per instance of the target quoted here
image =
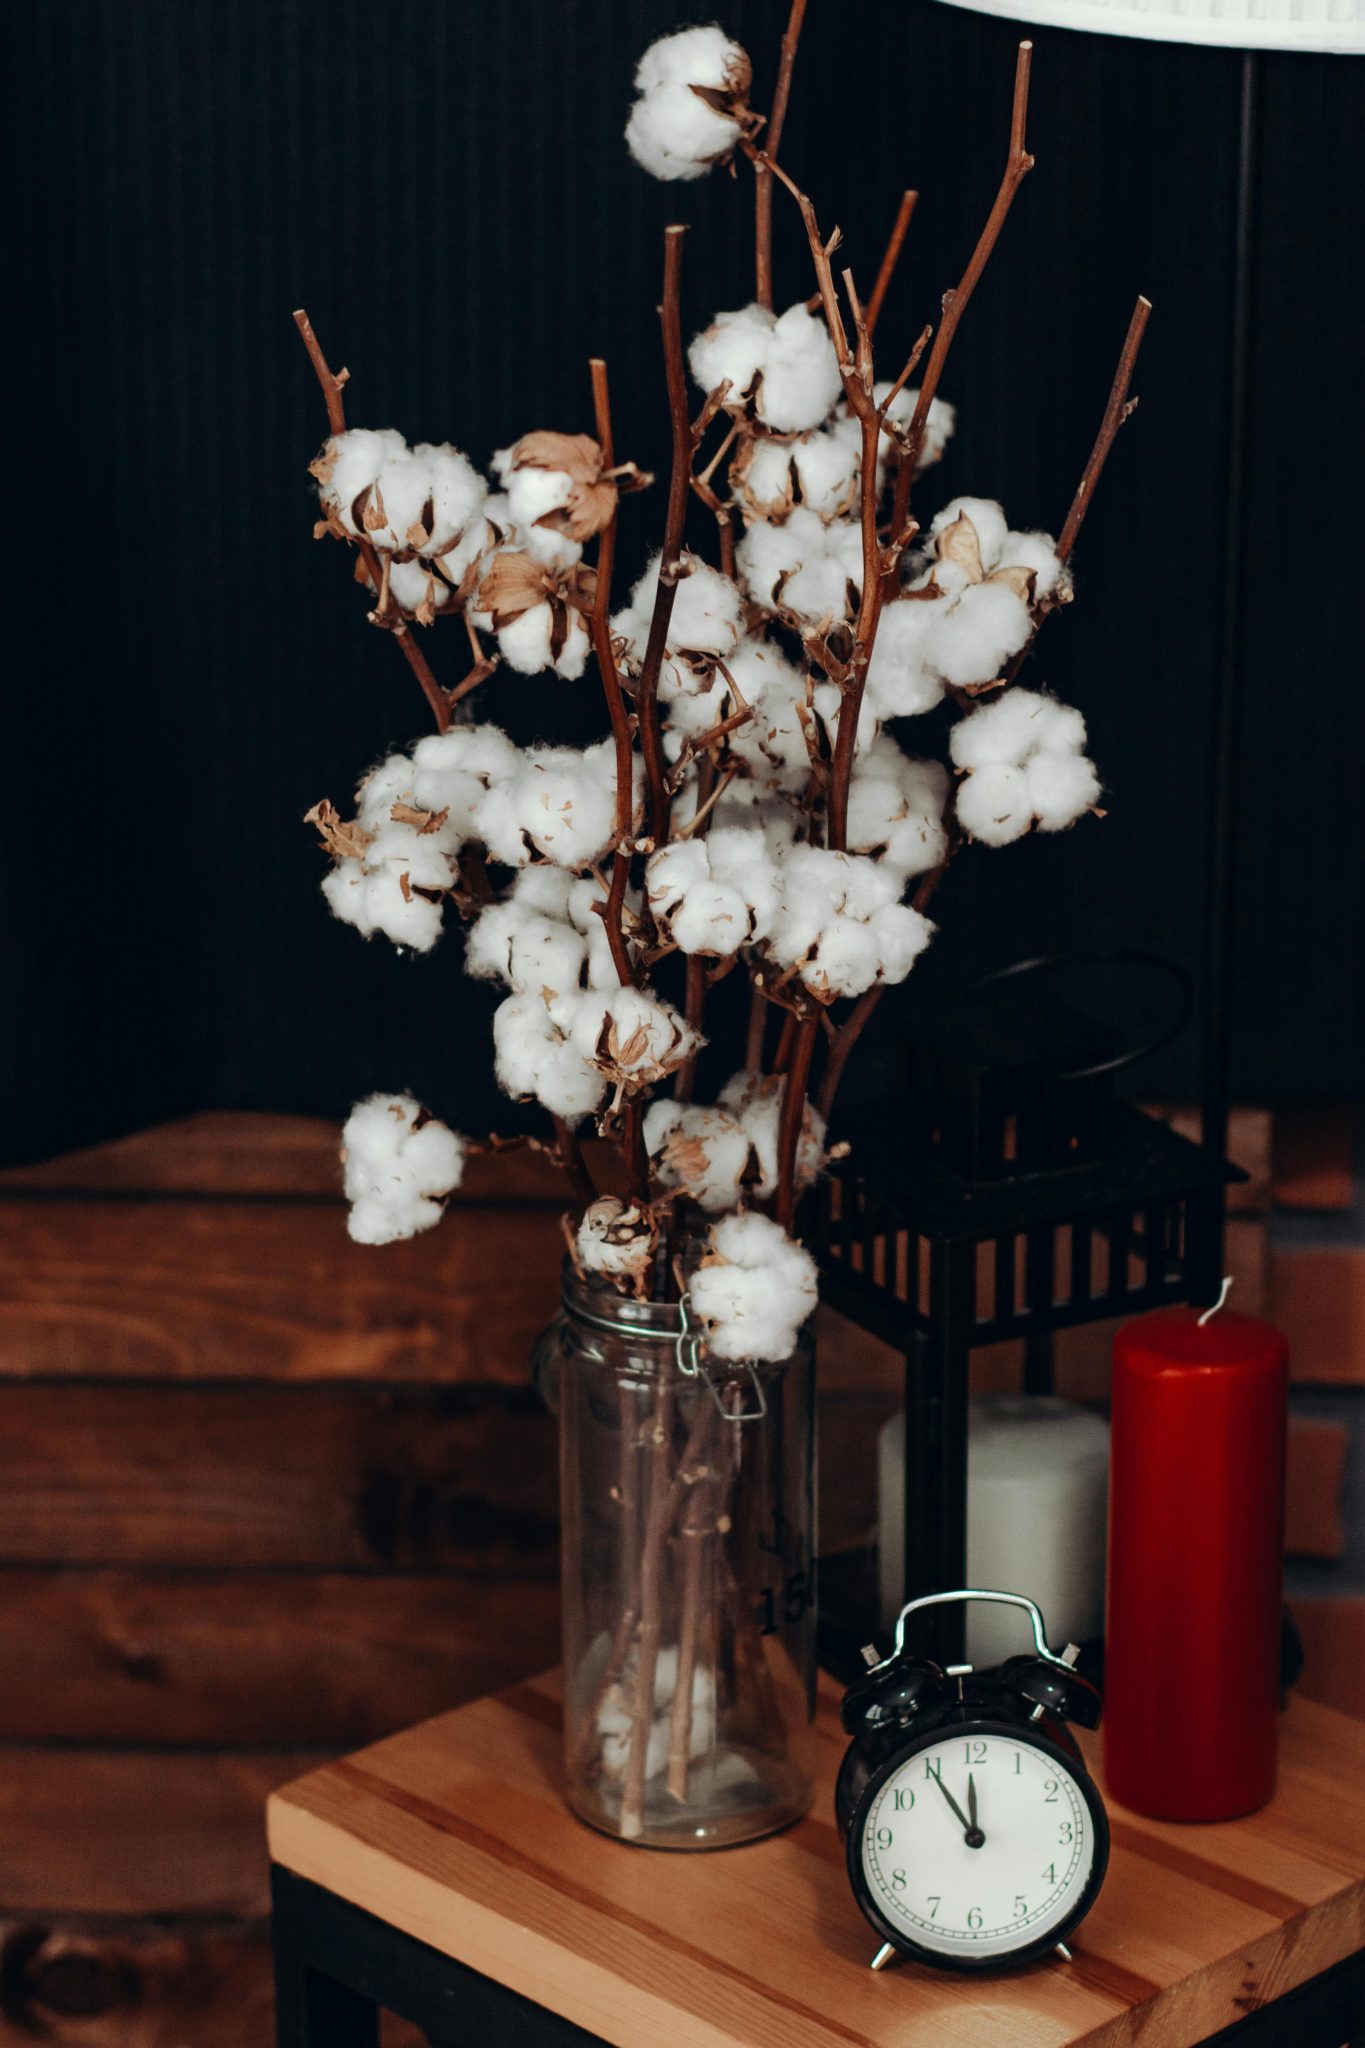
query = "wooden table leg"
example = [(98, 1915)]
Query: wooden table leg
[(313, 2011)]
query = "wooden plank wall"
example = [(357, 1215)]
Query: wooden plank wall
[(269, 1495)]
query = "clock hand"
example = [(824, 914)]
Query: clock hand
[(950, 1799), (974, 1837)]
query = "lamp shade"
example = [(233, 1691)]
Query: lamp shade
[(1235, 24)]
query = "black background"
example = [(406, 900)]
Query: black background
[(446, 189)]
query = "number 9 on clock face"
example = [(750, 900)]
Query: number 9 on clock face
[(981, 1846)]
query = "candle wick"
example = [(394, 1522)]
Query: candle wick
[(1222, 1297)]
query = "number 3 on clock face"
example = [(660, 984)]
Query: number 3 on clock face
[(982, 1846)]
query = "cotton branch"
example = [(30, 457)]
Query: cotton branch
[(332, 385), (763, 184), (792, 1116), (1017, 167), (679, 489), (1115, 413), (909, 201), (622, 739)]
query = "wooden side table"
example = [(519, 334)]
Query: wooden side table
[(439, 1875)]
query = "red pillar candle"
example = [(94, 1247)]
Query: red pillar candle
[(1196, 1532)]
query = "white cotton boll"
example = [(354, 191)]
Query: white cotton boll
[(754, 1290), (1036, 552), (827, 472), (672, 871), (456, 489), (391, 782), (1057, 728), (533, 1058), (971, 642), (488, 943), (412, 584), (672, 132), (901, 935), (1061, 788), (713, 920), (347, 894), (550, 892), (767, 485), (418, 855), (548, 546), (846, 959), (524, 642), (800, 373), (705, 1151), (900, 683), (992, 527), (1010, 727), (805, 567), (993, 804), (707, 615), (739, 855), (895, 809), (398, 501), (547, 956), (397, 1175), (755, 1101), (409, 919), (732, 350), (352, 461), (616, 1239)]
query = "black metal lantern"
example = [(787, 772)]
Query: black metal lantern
[(1012, 1197)]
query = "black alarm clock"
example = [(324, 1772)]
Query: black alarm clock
[(976, 1837)]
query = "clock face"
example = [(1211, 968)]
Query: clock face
[(978, 1846)]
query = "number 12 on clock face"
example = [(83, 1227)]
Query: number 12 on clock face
[(978, 1847)]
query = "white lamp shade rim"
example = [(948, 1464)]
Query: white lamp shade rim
[(1323, 25)]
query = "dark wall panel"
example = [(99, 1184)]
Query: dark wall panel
[(445, 187)]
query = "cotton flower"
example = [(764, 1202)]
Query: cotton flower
[(803, 569), (755, 1100), (531, 607), (782, 368), (967, 611), (373, 486), (896, 807), (617, 1240), (400, 1164), (1024, 765), (713, 895), (347, 468), (771, 744), (557, 482), (706, 1151), (391, 873), (633, 1038), (840, 923), (704, 626), (818, 471), (533, 1056), (939, 425), (690, 112), (753, 1290), (558, 803)]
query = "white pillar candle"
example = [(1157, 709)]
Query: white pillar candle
[(1037, 1487)]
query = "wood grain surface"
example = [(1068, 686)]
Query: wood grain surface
[(226, 1659), (456, 1833)]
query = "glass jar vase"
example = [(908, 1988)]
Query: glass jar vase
[(688, 1516)]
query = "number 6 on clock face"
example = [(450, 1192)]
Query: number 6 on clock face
[(978, 1847)]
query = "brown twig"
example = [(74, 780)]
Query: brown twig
[(909, 201), (679, 488), (763, 184), (789, 1124), (1017, 167), (332, 384), (1119, 408), (569, 1154), (842, 1044), (622, 738), (753, 1037)]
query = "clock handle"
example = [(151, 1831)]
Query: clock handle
[(965, 1593)]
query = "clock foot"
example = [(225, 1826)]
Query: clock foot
[(883, 1955), (1062, 1950)]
